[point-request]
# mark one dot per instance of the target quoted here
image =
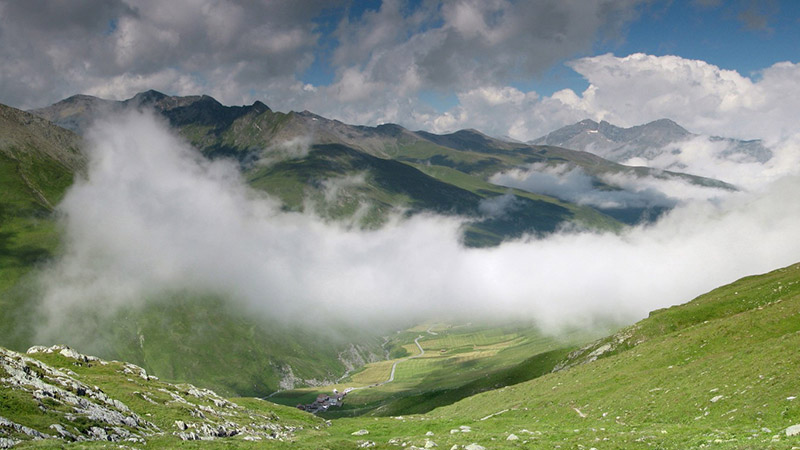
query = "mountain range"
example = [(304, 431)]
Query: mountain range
[(646, 142), (290, 155)]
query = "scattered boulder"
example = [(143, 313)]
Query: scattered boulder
[(793, 430), (474, 446), (512, 437), (359, 433)]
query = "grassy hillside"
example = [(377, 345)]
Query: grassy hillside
[(38, 162), (199, 339), (717, 372)]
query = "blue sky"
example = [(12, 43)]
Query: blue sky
[(715, 32)]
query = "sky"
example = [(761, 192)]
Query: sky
[(511, 69)]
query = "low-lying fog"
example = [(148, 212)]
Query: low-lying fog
[(155, 216)]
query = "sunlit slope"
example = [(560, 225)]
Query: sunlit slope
[(720, 370)]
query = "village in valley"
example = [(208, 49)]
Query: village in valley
[(325, 401)]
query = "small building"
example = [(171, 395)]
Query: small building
[(324, 401)]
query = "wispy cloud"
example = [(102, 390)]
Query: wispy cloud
[(609, 191)]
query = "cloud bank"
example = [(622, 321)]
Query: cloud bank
[(640, 88), (240, 51), (154, 217)]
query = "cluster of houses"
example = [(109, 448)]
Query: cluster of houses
[(325, 401)]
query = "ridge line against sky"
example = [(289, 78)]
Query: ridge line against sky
[(510, 69)]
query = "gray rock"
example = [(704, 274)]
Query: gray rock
[(98, 433), (190, 436), (64, 433), (23, 429), (7, 443), (793, 430)]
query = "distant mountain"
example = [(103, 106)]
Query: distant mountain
[(28, 144), (647, 141)]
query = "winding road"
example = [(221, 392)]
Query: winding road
[(394, 366)]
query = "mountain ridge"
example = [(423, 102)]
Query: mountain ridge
[(645, 142)]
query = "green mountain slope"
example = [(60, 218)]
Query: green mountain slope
[(38, 162), (717, 372), (258, 138), (298, 156)]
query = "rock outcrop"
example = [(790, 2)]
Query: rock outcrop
[(72, 408)]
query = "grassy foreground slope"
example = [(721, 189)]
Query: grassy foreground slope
[(53, 396), (718, 372)]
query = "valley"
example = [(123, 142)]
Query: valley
[(400, 224), (714, 372), (441, 364), (184, 363)]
